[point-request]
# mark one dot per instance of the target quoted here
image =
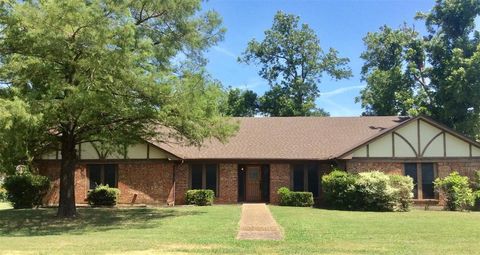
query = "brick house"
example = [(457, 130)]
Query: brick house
[(269, 153)]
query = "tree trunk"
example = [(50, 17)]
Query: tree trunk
[(66, 206)]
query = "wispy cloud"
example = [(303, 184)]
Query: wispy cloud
[(339, 91), (225, 52), (252, 84), (337, 109)]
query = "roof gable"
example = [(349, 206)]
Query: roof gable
[(419, 137)]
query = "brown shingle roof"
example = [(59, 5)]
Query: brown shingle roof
[(307, 138)]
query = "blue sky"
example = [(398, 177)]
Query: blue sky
[(340, 24)]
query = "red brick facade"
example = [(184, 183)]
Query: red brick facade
[(154, 182), (181, 183), (51, 169), (144, 182), (228, 183), (466, 167), (357, 166), (279, 177), (139, 182)]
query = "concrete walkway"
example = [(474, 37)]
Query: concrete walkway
[(257, 223)]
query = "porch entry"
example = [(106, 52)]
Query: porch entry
[(253, 183)]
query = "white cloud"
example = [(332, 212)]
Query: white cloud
[(251, 84), (340, 91), (225, 52), (337, 109)]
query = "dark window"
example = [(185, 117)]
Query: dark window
[(428, 177), (241, 182), (306, 178), (313, 180), (211, 177), (110, 175), (411, 170), (265, 185), (298, 178), (203, 177), (197, 176), (105, 174)]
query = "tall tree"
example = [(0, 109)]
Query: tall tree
[(437, 73), (293, 63), (241, 103), (106, 71)]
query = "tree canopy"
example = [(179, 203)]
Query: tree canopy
[(435, 73), (241, 103), (293, 63), (110, 72)]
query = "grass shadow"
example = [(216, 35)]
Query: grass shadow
[(38, 222)]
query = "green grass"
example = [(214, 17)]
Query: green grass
[(194, 230)]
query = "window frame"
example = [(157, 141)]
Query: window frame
[(204, 176), (102, 174), (306, 167), (420, 178)]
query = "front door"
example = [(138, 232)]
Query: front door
[(253, 188)]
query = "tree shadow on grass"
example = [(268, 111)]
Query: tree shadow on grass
[(37, 222)]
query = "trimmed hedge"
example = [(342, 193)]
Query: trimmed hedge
[(26, 190), (367, 191), (200, 197), (458, 195), (103, 195), (294, 198)]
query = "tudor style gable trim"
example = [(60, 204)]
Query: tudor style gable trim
[(419, 137)]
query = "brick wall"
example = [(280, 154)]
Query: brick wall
[(466, 167), (354, 166), (279, 177), (51, 169), (228, 183), (139, 182), (145, 183), (181, 183)]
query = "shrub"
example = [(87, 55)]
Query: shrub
[(283, 196), (339, 189), (456, 190), (476, 181), (301, 199), (374, 191), (103, 195), (3, 195), (476, 204), (26, 190), (294, 198), (199, 197), (402, 194), (370, 191)]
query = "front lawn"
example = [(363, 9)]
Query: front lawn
[(213, 229)]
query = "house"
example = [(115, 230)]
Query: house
[(269, 153)]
